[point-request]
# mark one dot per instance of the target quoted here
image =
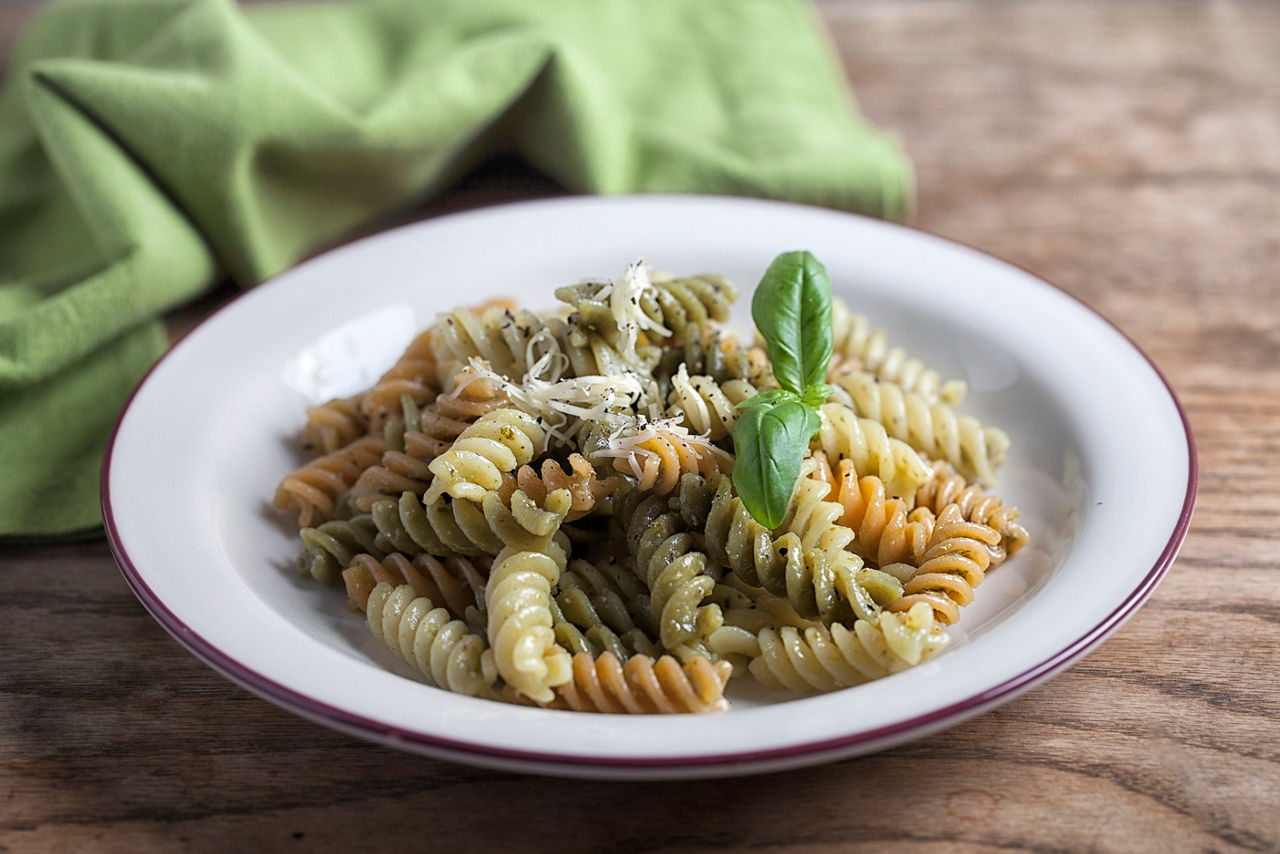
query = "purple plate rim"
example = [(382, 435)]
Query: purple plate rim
[(348, 722)]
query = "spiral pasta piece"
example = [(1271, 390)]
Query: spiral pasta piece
[(582, 631), (500, 442), (682, 304), (705, 406), (519, 344), (412, 525), (419, 437), (831, 585), (858, 347), (931, 428), (518, 605), (884, 532), (946, 487), (453, 582), (706, 351), (643, 686), (677, 575), (331, 546), (824, 659), (334, 424), (585, 487), (441, 649), (657, 457), (414, 374), (954, 563), (843, 435), (587, 596), (312, 491)]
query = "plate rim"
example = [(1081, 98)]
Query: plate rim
[(349, 722)]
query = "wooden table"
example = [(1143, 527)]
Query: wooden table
[(1127, 151)]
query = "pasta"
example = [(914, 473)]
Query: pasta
[(443, 650), (643, 686), (946, 487), (934, 429), (312, 491), (498, 443), (954, 562), (676, 574), (884, 532), (843, 435), (546, 507), (414, 375), (858, 347), (518, 603), (704, 406), (332, 425)]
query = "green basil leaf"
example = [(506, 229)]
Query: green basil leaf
[(792, 309), (770, 443), (767, 398), (816, 395)]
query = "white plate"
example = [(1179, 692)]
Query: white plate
[(1103, 467)]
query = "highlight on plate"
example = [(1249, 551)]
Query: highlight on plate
[(617, 505)]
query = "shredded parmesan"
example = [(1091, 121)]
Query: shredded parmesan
[(594, 398)]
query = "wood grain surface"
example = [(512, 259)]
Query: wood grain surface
[(1129, 152)]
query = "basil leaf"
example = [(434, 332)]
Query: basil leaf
[(792, 309), (766, 398), (770, 442)]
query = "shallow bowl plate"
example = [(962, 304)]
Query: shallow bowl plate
[(1102, 466)]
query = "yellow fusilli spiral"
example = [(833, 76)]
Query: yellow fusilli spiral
[(657, 457), (584, 485), (442, 649), (452, 582), (858, 347), (676, 574), (312, 491), (954, 563), (705, 406), (947, 487), (931, 428), (824, 659), (832, 585), (518, 605), (332, 425), (411, 525), (843, 435), (500, 442), (642, 686), (884, 532), (414, 374)]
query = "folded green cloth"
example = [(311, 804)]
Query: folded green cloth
[(149, 148)]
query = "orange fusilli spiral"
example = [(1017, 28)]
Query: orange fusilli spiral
[(413, 374), (583, 484), (312, 491), (453, 582), (947, 487), (954, 563), (885, 532), (642, 686), (332, 425), (658, 457)]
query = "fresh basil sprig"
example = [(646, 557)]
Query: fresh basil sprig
[(792, 310)]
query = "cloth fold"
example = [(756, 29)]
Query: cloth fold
[(149, 148)]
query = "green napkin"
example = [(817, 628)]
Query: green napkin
[(149, 148)]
